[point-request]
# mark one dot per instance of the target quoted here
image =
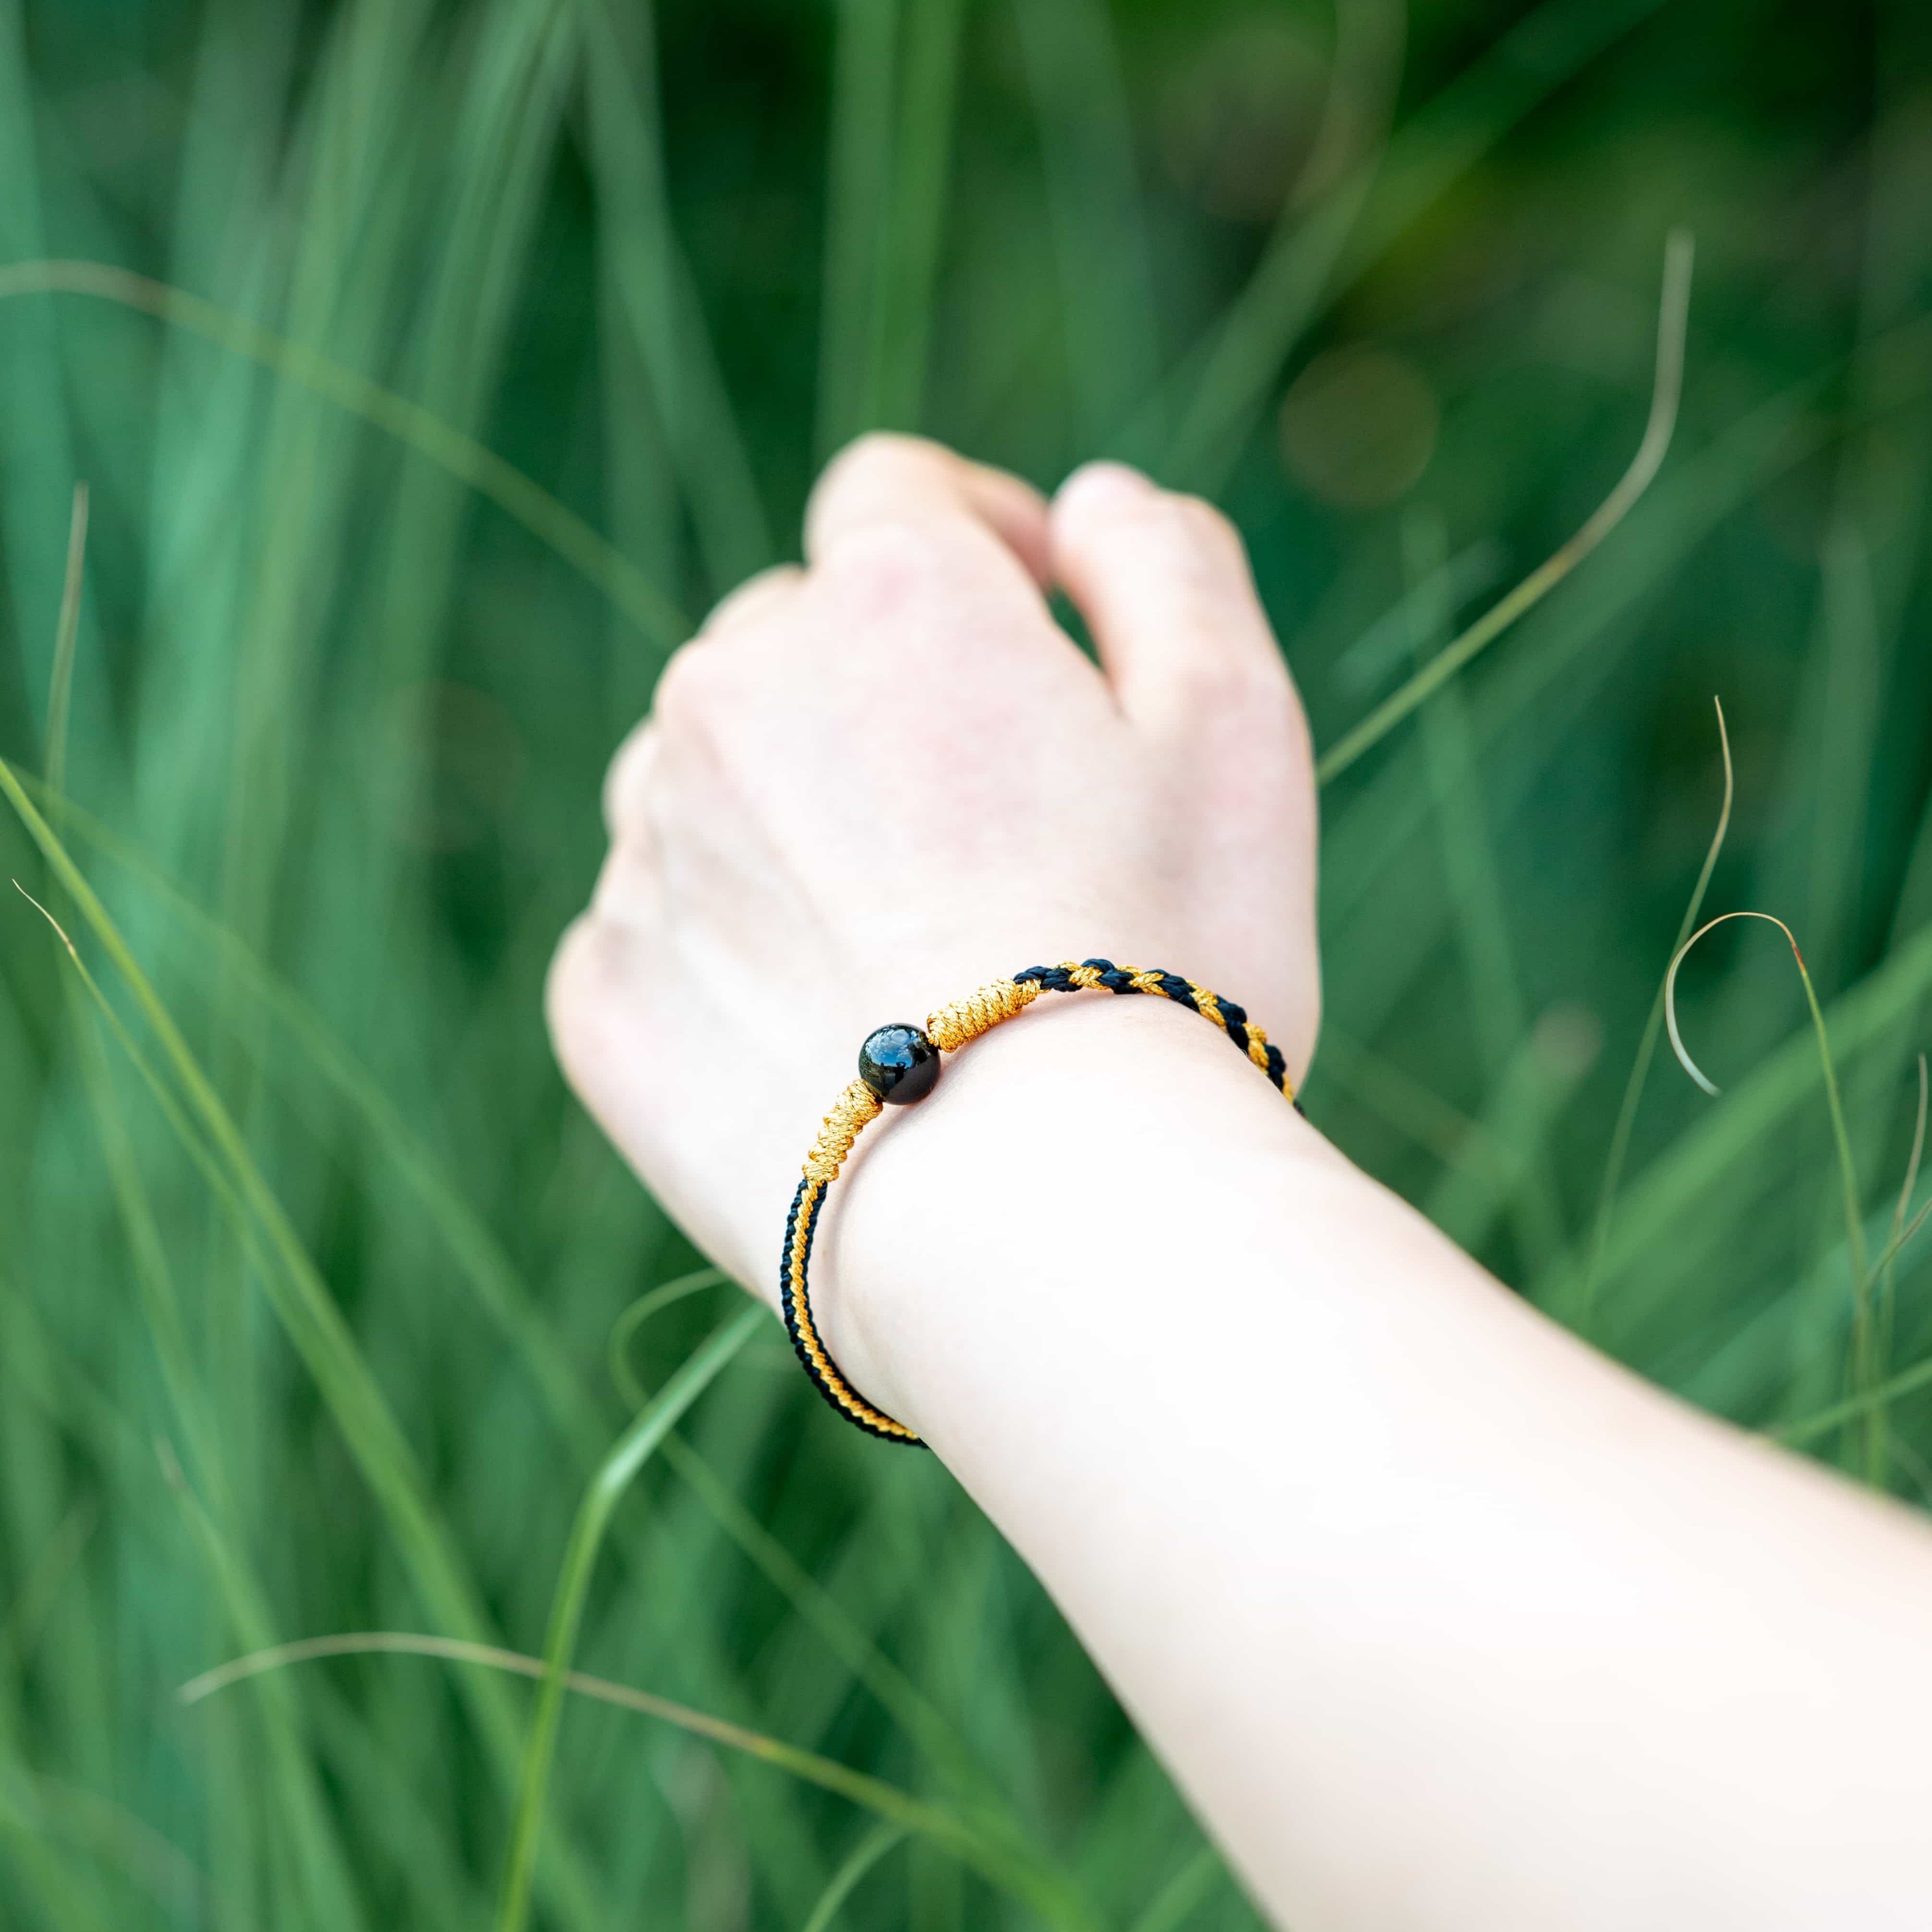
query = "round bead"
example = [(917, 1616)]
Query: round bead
[(899, 1063)]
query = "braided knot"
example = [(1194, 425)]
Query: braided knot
[(951, 1026), (950, 1029), (854, 1107)]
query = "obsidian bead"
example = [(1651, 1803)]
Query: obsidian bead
[(899, 1063)]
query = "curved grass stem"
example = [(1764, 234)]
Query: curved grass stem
[(500, 1296), (887, 1802), (869, 1850), (632, 1450), (624, 1328), (1673, 315), (1808, 1429), (1885, 1268), (1620, 1138), (1863, 1359), (60, 685)]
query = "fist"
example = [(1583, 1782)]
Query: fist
[(870, 785)]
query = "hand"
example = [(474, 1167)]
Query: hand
[(869, 786)]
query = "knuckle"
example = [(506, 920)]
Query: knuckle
[(877, 449), (756, 595), (1242, 680), (1194, 561), (869, 466), (686, 687), (573, 987), (595, 998), (882, 566), (874, 443), (623, 780), (1212, 528), (1216, 681), (1188, 534)]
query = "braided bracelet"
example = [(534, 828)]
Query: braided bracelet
[(900, 1064)]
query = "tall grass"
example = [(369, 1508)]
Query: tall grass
[(426, 369)]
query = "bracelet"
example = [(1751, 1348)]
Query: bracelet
[(900, 1064)]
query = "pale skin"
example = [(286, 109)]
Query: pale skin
[(1440, 1619)]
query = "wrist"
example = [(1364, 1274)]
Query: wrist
[(1038, 1160)]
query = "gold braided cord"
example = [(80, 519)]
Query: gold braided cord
[(951, 1026), (854, 1107), (1209, 1003), (949, 1029), (829, 1377), (1146, 981)]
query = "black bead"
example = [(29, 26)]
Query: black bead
[(899, 1063)]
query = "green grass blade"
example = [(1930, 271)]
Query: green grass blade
[(1855, 1238), (1885, 1268), (1415, 1111), (1364, 214), (302, 1299), (325, 1878), (1241, 363), (852, 347), (869, 1850), (1101, 245), (1862, 1367), (33, 373), (502, 1296), (1856, 1408), (920, 175), (1672, 319), (633, 1449), (1524, 1098), (60, 685), (895, 1807), (624, 1329), (1183, 1894), (660, 301), (1669, 1195), (1639, 1073), (480, 469)]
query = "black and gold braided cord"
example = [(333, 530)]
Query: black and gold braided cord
[(950, 1029)]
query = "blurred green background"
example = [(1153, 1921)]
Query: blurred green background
[(304, 1307)]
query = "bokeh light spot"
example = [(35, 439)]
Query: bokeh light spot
[(1358, 426)]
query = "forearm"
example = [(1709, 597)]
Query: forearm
[(1442, 1619)]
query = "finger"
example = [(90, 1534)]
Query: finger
[(1162, 581), (626, 781), (883, 479), (590, 997), (579, 992), (760, 595), (629, 893)]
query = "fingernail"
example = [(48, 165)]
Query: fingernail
[(1106, 478)]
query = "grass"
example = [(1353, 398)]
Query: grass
[(384, 387)]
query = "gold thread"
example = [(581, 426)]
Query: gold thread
[(847, 1397), (1207, 1005), (853, 1108), (951, 1027)]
